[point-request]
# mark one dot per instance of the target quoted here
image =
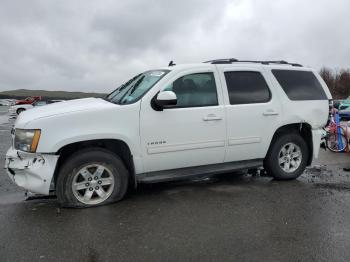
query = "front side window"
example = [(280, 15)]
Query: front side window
[(136, 87), (195, 90), (247, 87)]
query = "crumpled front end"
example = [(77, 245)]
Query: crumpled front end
[(31, 171)]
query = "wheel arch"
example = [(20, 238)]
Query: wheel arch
[(115, 146), (304, 129), (21, 109)]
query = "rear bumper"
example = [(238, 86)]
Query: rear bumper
[(32, 172), (316, 141)]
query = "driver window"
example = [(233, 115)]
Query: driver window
[(195, 90)]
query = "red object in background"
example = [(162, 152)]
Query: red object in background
[(28, 100)]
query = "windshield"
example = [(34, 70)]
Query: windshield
[(136, 87)]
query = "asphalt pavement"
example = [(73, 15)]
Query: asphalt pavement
[(225, 218)]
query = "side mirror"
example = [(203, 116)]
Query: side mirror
[(165, 99)]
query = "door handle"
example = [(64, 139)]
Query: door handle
[(212, 117), (270, 113)]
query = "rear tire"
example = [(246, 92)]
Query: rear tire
[(287, 157), (91, 177)]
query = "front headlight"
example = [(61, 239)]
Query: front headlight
[(27, 139)]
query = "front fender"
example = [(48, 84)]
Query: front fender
[(118, 123), (88, 137)]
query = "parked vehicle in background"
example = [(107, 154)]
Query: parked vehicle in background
[(17, 109), (344, 112), (12, 101), (46, 102), (7, 102), (177, 122), (343, 106), (338, 103), (28, 100), (4, 102)]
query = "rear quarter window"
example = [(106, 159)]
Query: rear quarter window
[(247, 87), (300, 85)]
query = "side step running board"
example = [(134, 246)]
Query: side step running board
[(197, 172)]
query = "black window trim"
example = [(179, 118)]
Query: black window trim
[(186, 74), (250, 71)]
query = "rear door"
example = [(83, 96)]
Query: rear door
[(252, 110)]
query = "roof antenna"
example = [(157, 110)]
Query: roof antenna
[(171, 63)]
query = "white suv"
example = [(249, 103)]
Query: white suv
[(177, 122)]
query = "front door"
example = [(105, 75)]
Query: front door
[(192, 133)]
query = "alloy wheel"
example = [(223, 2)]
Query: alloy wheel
[(93, 184)]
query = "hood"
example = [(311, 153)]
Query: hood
[(65, 107)]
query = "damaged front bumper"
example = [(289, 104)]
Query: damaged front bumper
[(33, 172)]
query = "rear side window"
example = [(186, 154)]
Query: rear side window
[(247, 87), (300, 85)]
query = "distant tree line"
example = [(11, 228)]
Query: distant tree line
[(338, 82)]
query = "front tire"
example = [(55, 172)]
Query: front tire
[(287, 157), (91, 177)]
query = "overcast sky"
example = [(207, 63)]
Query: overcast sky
[(96, 45)]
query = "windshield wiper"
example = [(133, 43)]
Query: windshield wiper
[(120, 88), (131, 89)]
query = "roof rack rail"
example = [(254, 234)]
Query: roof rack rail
[(222, 61), (234, 60)]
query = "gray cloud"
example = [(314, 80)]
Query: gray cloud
[(95, 45)]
